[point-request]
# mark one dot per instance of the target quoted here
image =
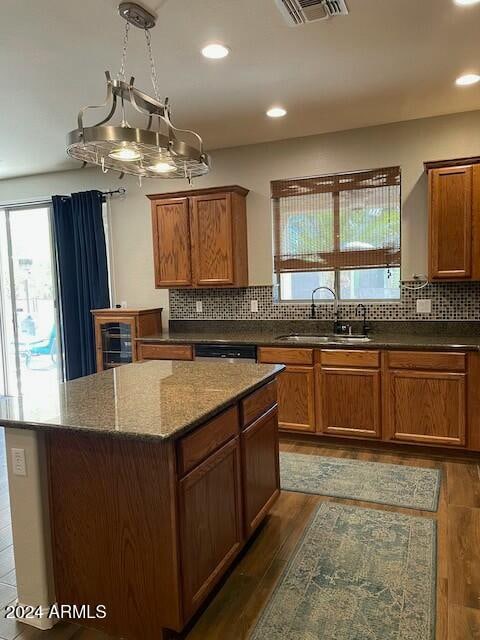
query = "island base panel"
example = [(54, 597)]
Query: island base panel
[(127, 522)]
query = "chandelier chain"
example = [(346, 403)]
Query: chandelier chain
[(153, 71), (123, 65)]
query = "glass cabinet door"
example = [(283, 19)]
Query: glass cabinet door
[(116, 343)]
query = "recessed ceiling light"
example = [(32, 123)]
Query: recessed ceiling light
[(276, 112), (215, 51), (467, 79), (466, 3)]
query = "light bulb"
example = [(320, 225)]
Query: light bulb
[(467, 79), (126, 153), (215, 51), (276, 112), (161, 167)]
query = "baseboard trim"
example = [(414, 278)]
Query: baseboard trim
[(42, 621)]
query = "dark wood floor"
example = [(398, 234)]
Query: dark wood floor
[(232, 612)]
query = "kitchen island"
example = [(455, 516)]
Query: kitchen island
[(157, 474)]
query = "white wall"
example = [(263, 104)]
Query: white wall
[(407, 144)]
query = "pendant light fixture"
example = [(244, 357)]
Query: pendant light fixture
[(159, 150)]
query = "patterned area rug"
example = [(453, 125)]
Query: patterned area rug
[(357, 574), (393, 484)]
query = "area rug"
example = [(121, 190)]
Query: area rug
[(357, 574), (396, 485)]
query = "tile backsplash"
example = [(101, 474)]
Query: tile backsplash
[(450, 301)]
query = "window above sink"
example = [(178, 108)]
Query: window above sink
[(340, 231)]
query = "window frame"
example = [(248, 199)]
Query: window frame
[(337, 240)]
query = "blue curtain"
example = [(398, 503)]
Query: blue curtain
[(83, 275)]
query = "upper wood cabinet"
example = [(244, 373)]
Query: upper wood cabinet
[(200, 238), (454, 219)]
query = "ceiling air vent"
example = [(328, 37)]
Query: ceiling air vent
[(298, 12)]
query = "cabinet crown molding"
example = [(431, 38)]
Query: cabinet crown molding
[(200, 192), (457, 162)]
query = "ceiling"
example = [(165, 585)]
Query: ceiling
[(387, 61)]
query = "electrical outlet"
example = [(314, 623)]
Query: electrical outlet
[(254, 306), (19, 466), (424, 306), (199, 306), (123, 304)]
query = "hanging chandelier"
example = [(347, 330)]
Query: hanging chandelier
[(160, 150)]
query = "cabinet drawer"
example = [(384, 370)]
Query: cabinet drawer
[(165, 351), (353, 358), (427, 360), (259, 402), (275, 355), (198, 445)]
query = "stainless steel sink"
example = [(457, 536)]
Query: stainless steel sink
[(351, 339), (299, 338), (303, 338)]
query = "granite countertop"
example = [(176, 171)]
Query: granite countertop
[(270, 338), (156, 399)]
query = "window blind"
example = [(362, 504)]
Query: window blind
[(345, 221)]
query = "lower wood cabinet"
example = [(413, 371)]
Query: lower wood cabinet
[(155, 351), (296, 399), (427, 407), (211, 531), (296, 386), (349, 402), (416, 397), (261, 479)]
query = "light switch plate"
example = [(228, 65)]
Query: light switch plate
[(254, 306), (199, 306), (19, 466), (424, 306)]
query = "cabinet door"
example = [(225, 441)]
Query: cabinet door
[(451, 223), (261, 479), (349, 402), (212, 240), (210, 514), (171, 242), (427, 407), (296, 405)]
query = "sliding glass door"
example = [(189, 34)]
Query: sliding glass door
[(29, 322)]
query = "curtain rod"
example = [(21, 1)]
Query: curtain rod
[(121, 191)]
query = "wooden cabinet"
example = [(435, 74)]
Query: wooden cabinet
[(211, 532), (116, 332), (454, 220), (296, 387), (261, 477), (152, 351), (418, 397), (349, 402), (348, 392), (150, 526), (296, 399), (200, 238), (171, 242), (426, 406)]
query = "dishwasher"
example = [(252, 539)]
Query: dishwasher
[(228, 352)]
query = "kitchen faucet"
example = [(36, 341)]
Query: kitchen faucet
[(361, 308), (335, 302)]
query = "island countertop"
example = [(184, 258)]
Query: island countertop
[(156, 399)]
